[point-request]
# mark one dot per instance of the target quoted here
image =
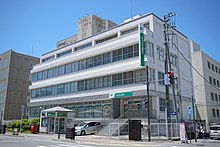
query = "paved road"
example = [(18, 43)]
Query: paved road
[(40, 140)]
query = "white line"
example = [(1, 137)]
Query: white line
[(6, 141)]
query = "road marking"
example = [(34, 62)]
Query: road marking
[(6, 141)]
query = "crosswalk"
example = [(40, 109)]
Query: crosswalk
[(63, 145)]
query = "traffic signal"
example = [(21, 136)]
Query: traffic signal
[(171, 77), (139, 106), (145, 104)]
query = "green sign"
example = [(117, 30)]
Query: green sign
[(141, 45), (50, 114), (120, 95), (61, 114)]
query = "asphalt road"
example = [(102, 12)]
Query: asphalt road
[(92, 141)]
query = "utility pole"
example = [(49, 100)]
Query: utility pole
[(166, 72), (22, 113), (166, 63), (148, 105), (194, 123)]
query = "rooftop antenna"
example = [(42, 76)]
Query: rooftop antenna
[(131, 10), (32, 50)]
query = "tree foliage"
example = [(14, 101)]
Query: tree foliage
[(26, 124)]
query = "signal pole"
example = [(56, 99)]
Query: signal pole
[(166, 63)]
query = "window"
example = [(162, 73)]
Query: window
[(106, 81), (64, 53), (140, 75), (82, 64), (68, 68), (128, 77), (136, 50), (217, 112), (49, 91), (60, 89), (106, 39), (173, 59), (117, 79), (75, 66), (216, 97), (216, 69), (98, 60), (89, 62), (61, 70), (213, 113), (149, 48), (83, 46), (106, 57), (129, 31), (151, 74), (117, 55), (67, 88), (160, 53), (214, 82), (209, 65), (161, 78), (162, 104), (128, 52), (147, 26), (88, 84), (54, 90), (50, 73), (218, 83), (212, 96), (81, 85), (213, 67), (210, 80), (97, 83)]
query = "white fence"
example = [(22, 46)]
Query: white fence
[(157, 131)]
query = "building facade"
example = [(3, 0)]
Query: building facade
[(91, 74), (207, 94), (14, 83)]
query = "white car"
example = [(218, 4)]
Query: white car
[(88, 127), (214, 131)]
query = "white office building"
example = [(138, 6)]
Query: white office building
[(97, 72), (207, 92)]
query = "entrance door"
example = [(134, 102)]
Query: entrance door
[(50, 125), (62, 125)]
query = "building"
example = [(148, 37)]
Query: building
[(14, 83), (98, 75), (207, 93)]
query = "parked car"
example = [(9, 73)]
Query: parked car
[(215, 131), (88, 127)]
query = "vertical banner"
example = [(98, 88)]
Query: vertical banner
[(183, 138), (141, 45)]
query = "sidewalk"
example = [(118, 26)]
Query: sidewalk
[(104, 140)]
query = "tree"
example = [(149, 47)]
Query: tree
[(35, 121)]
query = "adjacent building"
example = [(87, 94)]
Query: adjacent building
[(207, 86), (14, 84), (97, 72)]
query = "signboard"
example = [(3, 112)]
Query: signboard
[(182, 133), (141, 45), (172, 113), (50, 114), (61, 114), (120, 95), (189, 108)]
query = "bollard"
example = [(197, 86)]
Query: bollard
[(73, 134), (58, 136)]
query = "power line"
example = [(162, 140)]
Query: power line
[(194, 68)]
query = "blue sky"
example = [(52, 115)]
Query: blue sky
[(41, 23)]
